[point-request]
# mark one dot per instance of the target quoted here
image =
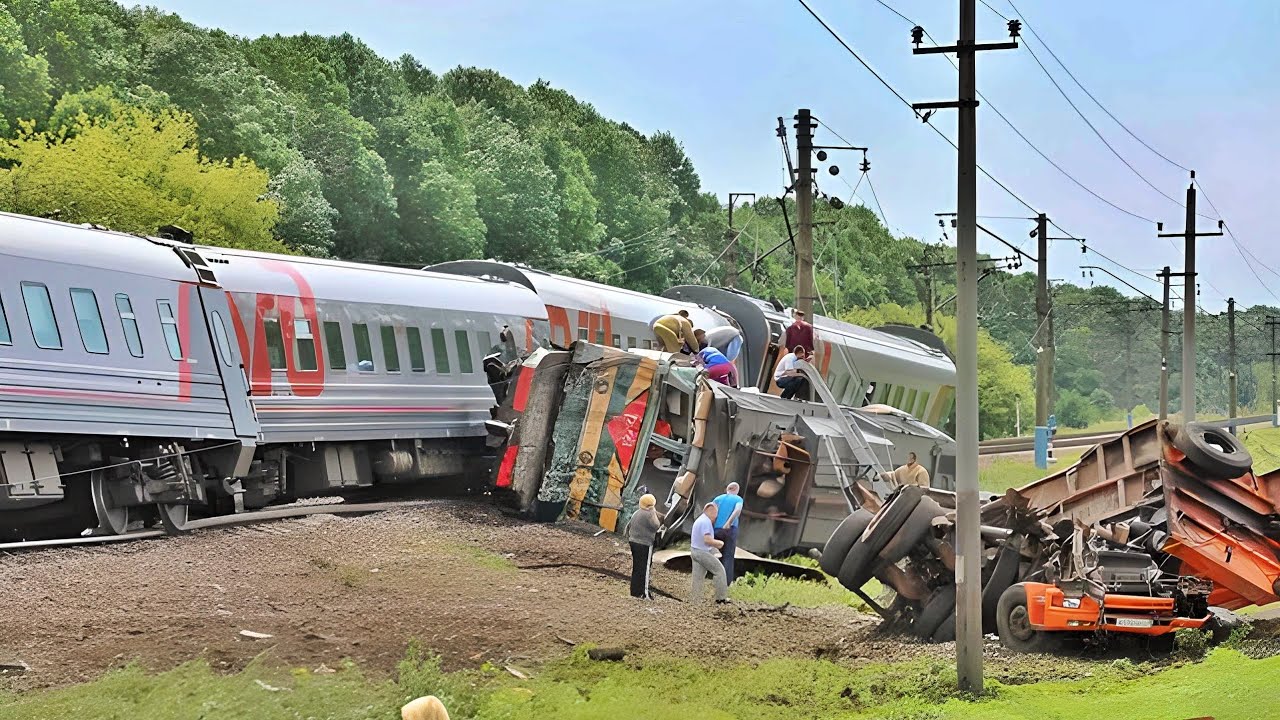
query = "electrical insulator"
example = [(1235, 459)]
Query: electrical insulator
[(866, 165), (1015, 27), (1083, 248), (834, 169), (917, 35), (822, 155)]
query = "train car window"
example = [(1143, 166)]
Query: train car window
[(617, 341), (304, 344), (390, 352), (417, 362), (631, 343), (275, 344), (895, 397), (599, 337), (922, 404), (220, 338), (129, 322), (89, 319), (5, 337), (486, 343), (364, 348), (464, 351), (170, 327), (333, 345), (582, 334), (44, 326), (441, 351)]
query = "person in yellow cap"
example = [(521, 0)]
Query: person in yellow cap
[(675, 333), (428, 707), (641, 531)]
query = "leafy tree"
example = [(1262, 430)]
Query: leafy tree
[(135, 171), (306, 218), (86, 42), (24, 79)]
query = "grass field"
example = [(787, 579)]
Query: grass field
[(1226, 686)]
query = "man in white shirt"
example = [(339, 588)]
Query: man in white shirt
[(703, 546), (788, 377)]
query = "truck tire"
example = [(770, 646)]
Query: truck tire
[(1216, 452), (940, 606), (912, 531), (1002, 576), (860, 563), (1014, 624), (946, 632), (846, 534)]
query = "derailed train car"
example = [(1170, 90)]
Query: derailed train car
[(592, 428), (142, 379)]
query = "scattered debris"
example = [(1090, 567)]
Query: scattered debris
[(268, 688), (13, 666), (516, 672), (567, 641), (324, 670), (255, 635)]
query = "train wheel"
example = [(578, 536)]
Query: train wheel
[(173, 517), (112, 519)]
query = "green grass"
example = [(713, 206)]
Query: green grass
[(1005, 473), (779, 590), (1226, 686), (1264, 444)]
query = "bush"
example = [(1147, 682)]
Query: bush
[(1190, 643)]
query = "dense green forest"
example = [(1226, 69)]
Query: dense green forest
[(134, 118)]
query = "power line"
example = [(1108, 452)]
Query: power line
[(1080, 85), (1030, 144), (904, 101), (877, 199)]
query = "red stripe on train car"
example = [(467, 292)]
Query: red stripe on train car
[(109, 395), (507, 467), (358, 408), (523, 382)]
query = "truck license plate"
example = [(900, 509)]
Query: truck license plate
[(1134, 622)]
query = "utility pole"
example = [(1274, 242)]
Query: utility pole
[(731, 251), (929, 299), (1231, 360), (1044, 341), (1189, 236), (1164, 346), (804, 210), (968, 543), (1272, 322)]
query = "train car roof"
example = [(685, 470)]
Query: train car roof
[(252, 271), (567, 291), (88, 246)]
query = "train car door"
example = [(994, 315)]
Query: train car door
[(216, 315)]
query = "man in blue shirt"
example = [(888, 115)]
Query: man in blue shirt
[(702, 548), (728, 510)]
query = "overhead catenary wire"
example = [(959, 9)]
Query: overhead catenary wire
[(831, 31)]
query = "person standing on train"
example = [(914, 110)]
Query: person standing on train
[(788, 377), (800, 332), (718, 366), (674, 333), (641, 531)]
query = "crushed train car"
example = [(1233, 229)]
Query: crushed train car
[(1164, 527), (588, 430)]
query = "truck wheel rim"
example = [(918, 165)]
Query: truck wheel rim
[(1020, 624)]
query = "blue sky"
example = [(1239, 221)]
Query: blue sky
[(1197, 80)]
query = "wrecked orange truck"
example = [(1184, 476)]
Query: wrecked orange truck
[(1164, 527)]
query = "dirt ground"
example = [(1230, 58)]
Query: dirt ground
[(328, 587)]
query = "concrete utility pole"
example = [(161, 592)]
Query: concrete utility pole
[(1044, 337), (1231, 360), (731, 251), (1189, 236), (968, 542), (1272, 322), (1164, 346), (804, 210)]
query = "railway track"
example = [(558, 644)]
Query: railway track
[(1002, 446), (283, 512)]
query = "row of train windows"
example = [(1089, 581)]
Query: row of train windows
[(632, 344), (902, 397), (93, 335), (304, 347)]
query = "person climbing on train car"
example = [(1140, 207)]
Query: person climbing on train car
[(703, 548), (675, 334), (788, 377), (800, 332), (641, 530), (728, 511), (717, 365), (913, 473)]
